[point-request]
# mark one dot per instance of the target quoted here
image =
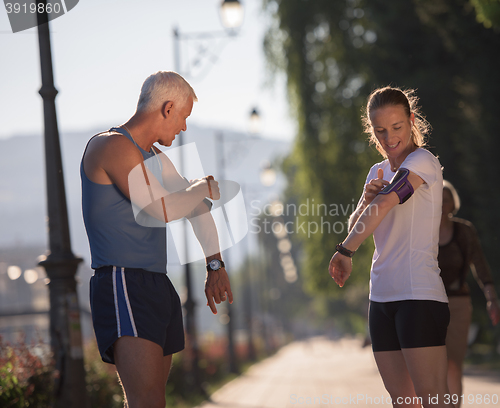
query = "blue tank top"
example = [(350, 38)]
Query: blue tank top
[(115, 237)]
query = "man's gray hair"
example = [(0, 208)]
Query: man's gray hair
[(164, 86)]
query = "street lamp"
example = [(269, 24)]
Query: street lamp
[(231, 12), (60, 264), (233, 363), (267, 173), (255, 121), (247, 277)]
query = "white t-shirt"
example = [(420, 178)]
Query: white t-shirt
[(404, 264)]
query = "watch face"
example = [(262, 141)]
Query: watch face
[(215, 264)]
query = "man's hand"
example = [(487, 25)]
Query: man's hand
[(217, 288), (374, 187), (209, 184), (340, 268)]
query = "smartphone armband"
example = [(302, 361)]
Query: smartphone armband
[(400, 185)]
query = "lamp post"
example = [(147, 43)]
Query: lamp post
[(233, 364), (231, 13), (60, 264), (247, 277)]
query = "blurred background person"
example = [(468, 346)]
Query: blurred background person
[(459, 252)]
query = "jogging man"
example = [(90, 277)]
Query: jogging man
[(130, 190)]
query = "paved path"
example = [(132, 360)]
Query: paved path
[(321, 372)]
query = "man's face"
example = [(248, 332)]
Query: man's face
[(176, 121)]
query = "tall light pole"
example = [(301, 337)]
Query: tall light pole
[(231, 353), (231, 13), (60, 264), (247, 275)]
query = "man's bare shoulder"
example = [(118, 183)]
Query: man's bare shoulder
[(108, 155), (112, 146)]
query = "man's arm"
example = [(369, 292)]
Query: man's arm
[(118, 160), (217, 282), (217, 285)]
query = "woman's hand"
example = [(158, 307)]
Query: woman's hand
[(340, 268), (493, 309), (374, 187), (492, 304)]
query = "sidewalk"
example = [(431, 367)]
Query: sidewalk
[(320, 372)]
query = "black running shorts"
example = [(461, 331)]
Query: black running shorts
[(408, 324), (134, 302)]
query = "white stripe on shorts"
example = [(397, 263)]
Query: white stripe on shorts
[(131, 316), (116, 304)]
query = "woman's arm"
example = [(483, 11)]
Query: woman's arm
[(340, 265), (482, 273), (369, 193)]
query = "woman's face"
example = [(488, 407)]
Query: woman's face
[(392, 128), (448, 203)]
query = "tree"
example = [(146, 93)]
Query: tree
[(488, 12), (334, 53)]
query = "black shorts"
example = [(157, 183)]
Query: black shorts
[(137, 303), (408, 324)]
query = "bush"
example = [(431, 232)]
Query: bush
[(25, 375), (103, 387)]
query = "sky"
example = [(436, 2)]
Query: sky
[(103, 50)]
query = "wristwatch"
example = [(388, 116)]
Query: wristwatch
[(215, 265), (344, 251)]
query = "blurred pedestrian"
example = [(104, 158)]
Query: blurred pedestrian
[(459, 252)]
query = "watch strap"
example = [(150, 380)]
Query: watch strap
[(344, 251), (222, 265)]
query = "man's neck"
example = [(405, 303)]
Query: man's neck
[(141, 133)]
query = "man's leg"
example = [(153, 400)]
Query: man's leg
[(143, 371)]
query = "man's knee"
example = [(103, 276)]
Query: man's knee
[(156, 401), (147, 399)]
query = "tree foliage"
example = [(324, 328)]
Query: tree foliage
[(327, 73), (488, 12), (334, 54)]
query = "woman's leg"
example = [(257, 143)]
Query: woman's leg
[(396, 378), (409, 345), (388, 356), (456, 342), (455, 380), (428, 369)]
